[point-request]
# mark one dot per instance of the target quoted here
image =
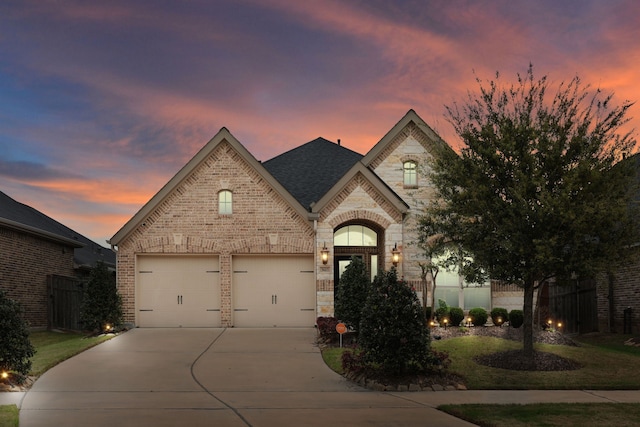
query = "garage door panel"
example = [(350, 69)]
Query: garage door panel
[(178, 291), (273, 291)]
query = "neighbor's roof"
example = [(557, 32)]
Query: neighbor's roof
[(308, 172), (19, 216)]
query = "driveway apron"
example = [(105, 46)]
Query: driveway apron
[(221, 377)]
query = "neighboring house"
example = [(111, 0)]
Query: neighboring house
[(33, 249), (618, 293), (231, 241)]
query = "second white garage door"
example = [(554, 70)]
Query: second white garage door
[(273, 291)]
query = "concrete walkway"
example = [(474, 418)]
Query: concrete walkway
[(236, 377)]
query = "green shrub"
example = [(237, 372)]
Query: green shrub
[(456, 316), (427, 313), (499, 316), (393, 335), (442, 312), (478, 316), (352, 292), (15, 347), (516, 318), (102, 305)]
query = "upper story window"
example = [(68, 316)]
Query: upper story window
[(410, 169), (225, 206)]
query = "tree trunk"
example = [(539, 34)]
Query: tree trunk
[(528, 321)]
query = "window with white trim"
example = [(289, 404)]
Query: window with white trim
[(225, 205), (410, 173)]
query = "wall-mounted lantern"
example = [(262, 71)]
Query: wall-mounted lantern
[(324, 254), (395, 255)]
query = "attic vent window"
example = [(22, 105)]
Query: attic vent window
[(410, 170), (225, 206)]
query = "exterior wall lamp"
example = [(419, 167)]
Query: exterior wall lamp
[(324, 254), (395, 255)]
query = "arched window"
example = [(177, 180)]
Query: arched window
[(225, 206), (355, 235), (410, 170)]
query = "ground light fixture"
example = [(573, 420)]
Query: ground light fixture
[(324, 254), (469, 320), (4, 375)]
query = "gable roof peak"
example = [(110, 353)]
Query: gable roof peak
[(410, 117)]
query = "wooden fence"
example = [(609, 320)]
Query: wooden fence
[(575, 305), (65, 300)]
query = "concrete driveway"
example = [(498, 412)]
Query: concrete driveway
[(221, 377)]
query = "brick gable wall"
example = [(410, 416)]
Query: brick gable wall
[(187, 221), (25, 262)]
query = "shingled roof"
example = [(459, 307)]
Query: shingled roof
[(19, 216), (309, 171)]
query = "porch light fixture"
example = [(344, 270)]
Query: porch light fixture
[(324, 254), (395, 255)]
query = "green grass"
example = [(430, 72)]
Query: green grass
[(9, 416), (55, 347), (604, 367), (332, 356), (607, 364), (548, 414)]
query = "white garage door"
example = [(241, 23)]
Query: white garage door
[(178, 291), (271, 291)]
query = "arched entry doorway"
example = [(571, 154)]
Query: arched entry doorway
[(362, 240)]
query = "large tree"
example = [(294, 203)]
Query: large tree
[(537, 190)]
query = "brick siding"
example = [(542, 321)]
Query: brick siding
[(187, 221), (626, 294), (25, 262)]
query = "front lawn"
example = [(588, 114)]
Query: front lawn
[(603, 368), (9, 416), (548, 414), (55, 347)]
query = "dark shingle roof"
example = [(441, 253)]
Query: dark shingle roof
[(309, 171), (87, 255)]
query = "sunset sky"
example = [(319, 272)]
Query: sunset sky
[(102, 102)]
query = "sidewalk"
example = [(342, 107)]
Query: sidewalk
[(435, 399)]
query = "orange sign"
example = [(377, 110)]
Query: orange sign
[(341, 328)]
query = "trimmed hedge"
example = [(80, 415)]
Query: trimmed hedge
[(456, 316), (478, 316), (516, 318), (499, 316)]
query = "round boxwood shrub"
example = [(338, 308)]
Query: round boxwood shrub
[(456, 316), (499, 316), (516, 318), (16, 349), (478, 316)]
